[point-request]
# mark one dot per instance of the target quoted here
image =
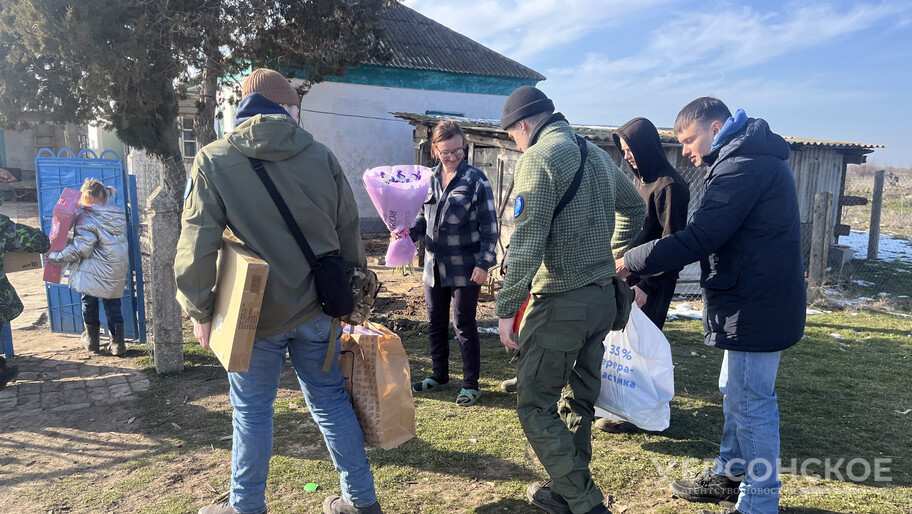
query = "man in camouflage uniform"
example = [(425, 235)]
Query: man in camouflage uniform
[(566, 261), (14, 238)]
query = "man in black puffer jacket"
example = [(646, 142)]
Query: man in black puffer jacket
[(746, 235)]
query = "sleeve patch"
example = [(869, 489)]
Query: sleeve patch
[(721, 197), (518, 206), (189, 187)]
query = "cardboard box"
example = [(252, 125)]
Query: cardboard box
[(64, 213), (239, 292), (21, 261)]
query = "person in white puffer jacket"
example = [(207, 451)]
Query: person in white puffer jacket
[(98, 263)]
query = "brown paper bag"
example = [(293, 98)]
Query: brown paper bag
[(376, 369)]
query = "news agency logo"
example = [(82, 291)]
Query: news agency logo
[(855, 470)]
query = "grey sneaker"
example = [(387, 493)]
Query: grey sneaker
[(542, 497), (336, 505), (509, 385), (218, 508), (708, 487)]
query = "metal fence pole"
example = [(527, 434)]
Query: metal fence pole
[(876, 206)]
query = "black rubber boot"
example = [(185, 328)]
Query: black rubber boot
[(90, 338), (118, 347)]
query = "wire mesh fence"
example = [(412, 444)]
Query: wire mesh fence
[(882, 280)]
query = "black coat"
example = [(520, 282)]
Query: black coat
[(747, 236)]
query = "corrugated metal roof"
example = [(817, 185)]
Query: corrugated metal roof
[(418, 42), (604, 132), (837, 144)]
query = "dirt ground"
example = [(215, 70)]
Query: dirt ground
[(51, 427), (76, 416)]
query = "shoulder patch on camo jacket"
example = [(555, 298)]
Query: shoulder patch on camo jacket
[(518, 206)]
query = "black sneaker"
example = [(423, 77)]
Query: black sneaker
[(542, 497), (616, 426), (708, 487)]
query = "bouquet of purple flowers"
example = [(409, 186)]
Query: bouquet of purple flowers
[(398, 192)]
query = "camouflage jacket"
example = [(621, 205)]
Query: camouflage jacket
[(16, 238)]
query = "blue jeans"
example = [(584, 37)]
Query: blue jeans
[(111, 308), (750, 436), (253, 394)]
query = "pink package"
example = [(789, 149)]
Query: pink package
[(64, 213), (398, 192)]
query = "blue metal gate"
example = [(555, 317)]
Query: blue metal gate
[(53, 173)]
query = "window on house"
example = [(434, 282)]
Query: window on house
[(188, 139)]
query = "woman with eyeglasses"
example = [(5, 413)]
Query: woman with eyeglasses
[(459, 224)]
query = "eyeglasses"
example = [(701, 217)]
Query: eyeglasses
[(446, 154)]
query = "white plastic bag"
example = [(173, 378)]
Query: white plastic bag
[(637, 375)]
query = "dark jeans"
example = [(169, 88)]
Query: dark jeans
[(465, 304), (111, 307), (658, 301)]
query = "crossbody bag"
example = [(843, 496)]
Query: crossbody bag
[(340, 289)]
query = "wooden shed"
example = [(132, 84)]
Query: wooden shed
[(818, 166)]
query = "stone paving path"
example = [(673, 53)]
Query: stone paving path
[(67, 380)]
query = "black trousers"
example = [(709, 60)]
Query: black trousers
[(464, 302)]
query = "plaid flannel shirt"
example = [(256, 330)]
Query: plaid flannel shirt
[(460, 227)]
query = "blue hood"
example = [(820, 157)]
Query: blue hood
[(731, 127), (254, 104)]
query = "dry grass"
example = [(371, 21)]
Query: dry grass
[(896, 216)]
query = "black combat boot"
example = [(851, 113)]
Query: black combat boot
[(90, 338)]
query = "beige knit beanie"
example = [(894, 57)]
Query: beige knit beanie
[(272, 85)]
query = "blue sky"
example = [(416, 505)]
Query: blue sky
[(834, 70)]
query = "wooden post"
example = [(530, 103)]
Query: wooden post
[(876, 205), (820, 242)]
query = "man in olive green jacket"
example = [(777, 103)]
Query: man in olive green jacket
[(225, 191), (566, 261)]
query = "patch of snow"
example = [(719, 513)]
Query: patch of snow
[(889, 248), (685, 310), (863, 283), (836, 336)]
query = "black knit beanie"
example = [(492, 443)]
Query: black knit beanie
[(524, 102)]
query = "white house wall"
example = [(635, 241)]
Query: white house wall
[(20, 146), (354, 121)]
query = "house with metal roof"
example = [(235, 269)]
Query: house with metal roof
[(433, 71), (818, 166)]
